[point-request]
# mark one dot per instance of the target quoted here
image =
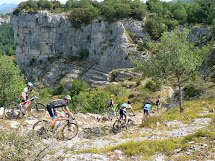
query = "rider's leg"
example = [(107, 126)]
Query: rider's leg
[(53, 122)]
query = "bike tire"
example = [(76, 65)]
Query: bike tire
[(109, 115), (12, 110), (117, 126), (38, 110), (130, 123), (42, 129), (70, 130)]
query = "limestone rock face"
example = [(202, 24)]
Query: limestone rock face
[(48, 46), (197, 32)]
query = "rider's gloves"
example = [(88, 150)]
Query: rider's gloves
[(74, 119), (30, 90), (133, 115)]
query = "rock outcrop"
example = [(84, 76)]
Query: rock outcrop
[(49, 48)]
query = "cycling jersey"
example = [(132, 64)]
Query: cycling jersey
[(58, 103), (125, 106), (54, 104), (25, 90), (147, 106)]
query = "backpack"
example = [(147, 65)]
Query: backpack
[(110, 102)]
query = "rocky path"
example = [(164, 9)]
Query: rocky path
[(94, 134)]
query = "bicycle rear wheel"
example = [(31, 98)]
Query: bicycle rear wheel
[(42, 129), (12, 110), (117, 126), (38, 110), (70, 130)]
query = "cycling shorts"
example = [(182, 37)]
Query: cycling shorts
[(51, 111), (122, 113), (146, 111)]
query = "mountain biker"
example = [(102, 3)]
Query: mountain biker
[(63, 103), (123, 109), (25, 93), (147, 108), (158, 102), (110, 102)]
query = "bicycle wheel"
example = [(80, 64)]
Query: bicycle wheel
[(109, 115), (12, 110), (117, 126), (70, 130), (42, 129), (38, 110), (130, 123)]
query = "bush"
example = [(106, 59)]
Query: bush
[(11, 82), (153, 86), (83, 53), (78, 86), (139, 13), (82, 15), (93, 101)]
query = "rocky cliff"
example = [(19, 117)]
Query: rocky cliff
[(50, 49)]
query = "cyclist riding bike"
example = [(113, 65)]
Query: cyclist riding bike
[(147, 108), (123, 109), (63, 103), (158, 102), (25, 93), (110, 102)]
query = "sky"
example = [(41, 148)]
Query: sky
[(62, 1)]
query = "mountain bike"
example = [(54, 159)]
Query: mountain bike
[(112, 112), (17, 110), (120, 125), (68, 132)]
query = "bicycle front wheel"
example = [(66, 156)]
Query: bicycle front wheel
[(38, 110), (130, 123), (117, 126), (12, 110), (42, 129), (70, 130)]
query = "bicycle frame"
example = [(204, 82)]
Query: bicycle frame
[(30, 101)]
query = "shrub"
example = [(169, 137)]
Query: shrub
[(153, 86), (11, 81), (82, 15), (78, 86), (83, 53), (139, 13)]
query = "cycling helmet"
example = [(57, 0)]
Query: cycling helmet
[(30, 84), (129, 102), (67, 97)]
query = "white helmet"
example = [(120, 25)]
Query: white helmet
[(67, 97)]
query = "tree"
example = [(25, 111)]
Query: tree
[(174, 56), (11, 81)]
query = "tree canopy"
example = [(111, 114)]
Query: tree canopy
[(173, 56), (11, 82)]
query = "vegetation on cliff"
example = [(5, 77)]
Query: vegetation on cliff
[(7, 44), (162, 16)]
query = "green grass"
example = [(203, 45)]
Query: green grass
[(148, 148), (191, 110)]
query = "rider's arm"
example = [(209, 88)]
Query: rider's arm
[(132, 110), (68, 111), (23, 96)]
